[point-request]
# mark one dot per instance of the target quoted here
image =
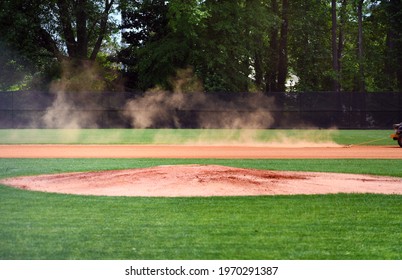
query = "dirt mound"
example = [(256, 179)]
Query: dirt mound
[(204, 180)]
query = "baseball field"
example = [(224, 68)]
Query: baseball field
[(361, 219)]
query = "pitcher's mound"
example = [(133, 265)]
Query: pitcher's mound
[(205, 180)]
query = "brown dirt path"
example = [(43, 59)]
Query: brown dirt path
[(184, 151)]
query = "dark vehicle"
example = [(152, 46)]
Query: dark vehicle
[(398, 133)]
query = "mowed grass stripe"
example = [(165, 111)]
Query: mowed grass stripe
[(48, 226), (195, 136), (21, 166)]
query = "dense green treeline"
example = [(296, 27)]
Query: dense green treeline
[(193, 45)]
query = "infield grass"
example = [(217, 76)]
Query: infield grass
[(36, 225)]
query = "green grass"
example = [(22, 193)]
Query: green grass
[(316, 227), (35, 225), (191, 136), (19, 167)]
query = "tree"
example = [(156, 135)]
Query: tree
[(283, 48), (61, 30), (223, 55), (237, 45), (273, 49), (393, 48), (360, 55), (77, 29), (144, 30), (335, 55), (342, 24), (213, 38), (21, 59), (310, 45), (348, 60)]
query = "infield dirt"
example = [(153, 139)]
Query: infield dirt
[(202, 180), (197, 151), (205, 180)]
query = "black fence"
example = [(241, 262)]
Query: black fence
[(345, 110)]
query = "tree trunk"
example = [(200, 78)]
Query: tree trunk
[(335, 54), (271, 69), (48, 43), (283, 48), (82, 34), (360, 55), (103, 25), (77, 41), (67, 29)]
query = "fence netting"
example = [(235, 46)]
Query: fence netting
[(344, 110)]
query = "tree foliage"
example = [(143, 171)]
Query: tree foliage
[(53, 32), (230, 45)]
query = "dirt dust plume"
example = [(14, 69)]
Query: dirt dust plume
[(77, 105), (159, 108), (73, 107)]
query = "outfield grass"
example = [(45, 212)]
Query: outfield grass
[(193, 136), (35, 225)]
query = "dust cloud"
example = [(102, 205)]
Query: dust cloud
[(73, 107), (65, 113), (180, 110), (240, 117), (188, 105), (185, 106)]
